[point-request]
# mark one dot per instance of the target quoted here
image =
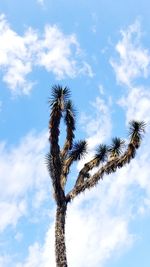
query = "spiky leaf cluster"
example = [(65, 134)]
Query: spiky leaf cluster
[(48, 162), (116, 146), (59, 95), (101, 153), (58, 99), (136, 130), (78, 150)]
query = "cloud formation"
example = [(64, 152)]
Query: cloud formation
[(22, 170), (137, 104), (136, 100), (134, 60), (56, 52), (97, 126), (132, 63)]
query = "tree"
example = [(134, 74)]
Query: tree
[(107, 160)]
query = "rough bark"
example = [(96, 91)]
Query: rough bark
[(60, 247)]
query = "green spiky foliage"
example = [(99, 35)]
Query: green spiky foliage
[(100, 157), (48, 163), (101, 153), (136, 130), (59, 96), (78, 150), (116, 146), (107, 160), (57, 103)]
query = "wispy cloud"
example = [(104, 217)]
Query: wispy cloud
[(4, 260), (134, 60), (132, 63), (98, 125), (12, 211), (41, 2), (137, 104), (94, 233), (53, 50)]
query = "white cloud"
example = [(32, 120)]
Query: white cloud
[(11, 213), (15, 59), (98, 125), (133, 63), (53, 50), (134, 60), (137, 104), (22, 169), (34, 258), (4, 260), (97, 242), (86, 69)]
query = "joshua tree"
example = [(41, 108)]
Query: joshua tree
[(107, 159)]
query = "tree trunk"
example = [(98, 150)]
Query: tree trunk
[(60, 247)]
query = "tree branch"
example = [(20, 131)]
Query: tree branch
[(57, 105), (109, 167), (65, 170), (70, 123)]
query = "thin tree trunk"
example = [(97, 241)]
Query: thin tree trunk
[(60, 247)]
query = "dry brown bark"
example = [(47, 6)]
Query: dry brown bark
[(60, 247)]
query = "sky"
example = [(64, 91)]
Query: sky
[(100, 50)]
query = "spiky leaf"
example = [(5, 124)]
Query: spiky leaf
[(78, 150), (136, 128), (102, 152), (59, 95), (116, 146), (48, 162)]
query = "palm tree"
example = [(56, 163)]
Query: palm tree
[(107, 160)]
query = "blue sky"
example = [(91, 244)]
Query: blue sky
[(100, 50)]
